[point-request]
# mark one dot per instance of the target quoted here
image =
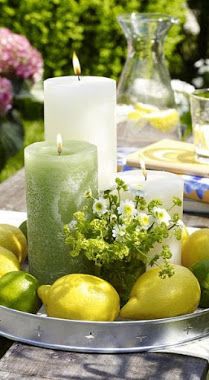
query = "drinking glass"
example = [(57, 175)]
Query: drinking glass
[(200, 123)]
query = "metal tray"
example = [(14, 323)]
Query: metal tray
[(102, 337)]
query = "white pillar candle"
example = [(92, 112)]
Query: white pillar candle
[(84, 110), (163, 186)]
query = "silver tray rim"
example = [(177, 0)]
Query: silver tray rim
[(103, 337), (116, 322)]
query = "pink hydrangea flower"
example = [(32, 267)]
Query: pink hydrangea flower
[(18, 57), (6, 95)]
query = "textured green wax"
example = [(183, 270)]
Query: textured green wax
[(55, 187)]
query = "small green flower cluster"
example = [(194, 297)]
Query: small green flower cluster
[(119, 230)]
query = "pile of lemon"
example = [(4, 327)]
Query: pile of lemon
[(18, 289), (87, 297)]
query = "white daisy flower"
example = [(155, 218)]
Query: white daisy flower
[(127, 208), (113, 218), (119, 231), (100, 206), (144, 220), (161, 215), (72, 225)]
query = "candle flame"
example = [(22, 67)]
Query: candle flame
[(142, 166), (59, 144), (76, 65)]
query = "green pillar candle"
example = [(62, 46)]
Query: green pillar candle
[(55, 186)]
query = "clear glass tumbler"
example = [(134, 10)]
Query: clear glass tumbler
[(200, 123)]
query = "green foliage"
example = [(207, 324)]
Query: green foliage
[(33, 132), (119, 236), (57, 27)]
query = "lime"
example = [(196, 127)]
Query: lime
[(8, 261), (18, 290), (23, 228), (196, 247), (201, 272), (80, 296), (153, 297), (14, 240)]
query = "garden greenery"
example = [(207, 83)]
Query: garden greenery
[(118, 235), (57, 27)]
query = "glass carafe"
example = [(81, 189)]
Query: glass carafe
[(146, 109)]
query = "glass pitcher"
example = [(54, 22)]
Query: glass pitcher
[(146, 109)]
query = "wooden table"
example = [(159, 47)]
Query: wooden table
[(22, 362)]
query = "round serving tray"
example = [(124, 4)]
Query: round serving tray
[(102, 337)]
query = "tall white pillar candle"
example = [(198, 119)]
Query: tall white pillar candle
[(163, 186), (84, 110)]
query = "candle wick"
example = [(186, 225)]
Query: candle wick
[(79, 77), (142, 165)]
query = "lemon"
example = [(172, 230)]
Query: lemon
[(184, 236), (136, 115), (201, 136), (153, 297), (80, 296), (18, 290), (141, 109), (14, 240), (147, 108), (196, 247), (8, 261), (201, 272), (164, 120)]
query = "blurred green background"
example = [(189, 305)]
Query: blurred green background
[(58, 27)]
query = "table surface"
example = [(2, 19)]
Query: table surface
[(20, 361)]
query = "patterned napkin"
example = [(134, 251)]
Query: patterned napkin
[(195, 187)]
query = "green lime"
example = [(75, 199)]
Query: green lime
[(18, 290), (23, 228), (201, 272)]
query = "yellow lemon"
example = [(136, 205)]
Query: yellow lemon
[(184, 236), (141, 109), (153, 297), (147, 108), (14, 240), (80, 296), (196, 247), (18, 290), (8, 261), (164, 120)]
